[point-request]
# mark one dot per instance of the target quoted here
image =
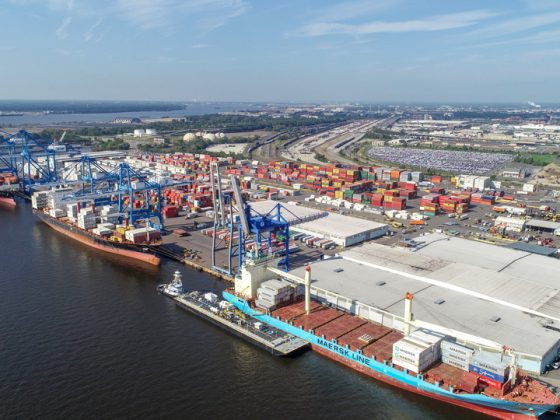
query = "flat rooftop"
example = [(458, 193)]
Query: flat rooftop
[(318, 221), (342, 226), (520, 278)]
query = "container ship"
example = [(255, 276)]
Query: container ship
[(7, 200), (420, 361), (81, 225)]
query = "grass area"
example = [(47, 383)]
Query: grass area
[(321, 158), (538, 159)]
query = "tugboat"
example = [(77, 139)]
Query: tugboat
[(173, 289)]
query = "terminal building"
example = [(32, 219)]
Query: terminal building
[(485, 296)]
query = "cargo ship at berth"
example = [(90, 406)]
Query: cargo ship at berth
[(141, 252), (370, 349), (100, 227), (6, 200)]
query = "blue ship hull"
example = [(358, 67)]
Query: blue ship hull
[(478, 402)]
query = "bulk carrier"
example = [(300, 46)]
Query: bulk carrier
[(449, 373), (81, 225)]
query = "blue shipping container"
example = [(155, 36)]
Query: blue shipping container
[(486, 373)]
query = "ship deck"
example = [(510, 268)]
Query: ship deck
[(376, 341), (278, 341)]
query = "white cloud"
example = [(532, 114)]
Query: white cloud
[(61, 31), (512, 26), (88, 35), (542, 37), (51, 4), (352, 9), (435, 23), (151, 14), (199, 46)]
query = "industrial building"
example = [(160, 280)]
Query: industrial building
[(484, 295), (518, 173), (342, 230)]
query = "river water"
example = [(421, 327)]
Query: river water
[(54, 119), (84, 335)]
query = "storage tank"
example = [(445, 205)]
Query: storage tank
[(189, 137), (151, 131), (209, 136), (220, 136), (139, 132)]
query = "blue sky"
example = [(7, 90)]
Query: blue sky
[(281, 50)]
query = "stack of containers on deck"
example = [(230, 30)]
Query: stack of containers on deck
[(72, 212), (109, 214), (490, 369), (456, 355), (39, 200), (56, 213), (141, 235), (274, 292), (104, 229), (414, 356), (419, 350), (55, 201), (86, 218)]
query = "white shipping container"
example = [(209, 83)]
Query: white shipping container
[(427, 336), (415, 352), (452, 347), (410, 366), (460, 358), (455, 363)]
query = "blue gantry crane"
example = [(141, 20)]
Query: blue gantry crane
[(249, 225), (130, 191), (27, 156)]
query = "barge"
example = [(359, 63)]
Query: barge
[(266, 337)]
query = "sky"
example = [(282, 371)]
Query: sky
[(281, 50)]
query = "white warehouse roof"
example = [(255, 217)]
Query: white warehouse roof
[(337, 225), (460, 272)]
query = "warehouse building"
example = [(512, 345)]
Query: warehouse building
[(342, 230), (485, 296)]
